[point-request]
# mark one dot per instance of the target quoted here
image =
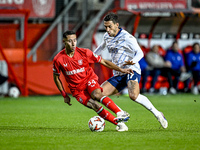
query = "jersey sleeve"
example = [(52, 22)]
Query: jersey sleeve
[(137, 53), (101, 47), (56, 69), (92, 57)]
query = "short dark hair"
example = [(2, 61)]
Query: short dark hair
[(69, 32), (195, 45), (175, 42), (111, 17)]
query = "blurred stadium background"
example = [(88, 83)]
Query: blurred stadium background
[(31, 34)]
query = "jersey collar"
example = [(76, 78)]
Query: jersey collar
[(119, 32)]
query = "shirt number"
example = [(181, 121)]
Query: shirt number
[(130, 76), (91, 83)]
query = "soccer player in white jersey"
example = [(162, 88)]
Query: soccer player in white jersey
[(126, 53)]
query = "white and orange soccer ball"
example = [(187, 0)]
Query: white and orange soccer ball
[(96, 124)]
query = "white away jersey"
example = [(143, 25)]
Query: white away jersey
[(123, 47)]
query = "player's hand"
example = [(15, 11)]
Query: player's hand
[(67, 100), (127, 70), (128, 63)]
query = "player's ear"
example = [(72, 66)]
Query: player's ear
[(117, 24), (64, 40)]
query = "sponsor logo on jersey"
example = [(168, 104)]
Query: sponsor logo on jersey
[(80, 62), (75, 71), (65, 65)]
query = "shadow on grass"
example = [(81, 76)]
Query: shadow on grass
[(84, 130), (72, 130)]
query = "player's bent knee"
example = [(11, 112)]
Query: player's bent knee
[(96, 94), (133, 96)]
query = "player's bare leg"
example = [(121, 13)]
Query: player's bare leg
[(108, 89), (133, 89)]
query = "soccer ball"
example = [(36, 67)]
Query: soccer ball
[(14, 92), (96, 124)]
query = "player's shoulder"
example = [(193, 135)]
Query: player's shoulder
[(127, 36), (82, 50), (60, 54), (106, 36)]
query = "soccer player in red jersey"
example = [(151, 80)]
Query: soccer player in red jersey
[(74, 62)]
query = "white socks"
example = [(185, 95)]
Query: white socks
[(144, 101)]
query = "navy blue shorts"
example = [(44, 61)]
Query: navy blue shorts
[(120, 82)]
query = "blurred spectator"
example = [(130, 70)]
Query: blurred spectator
[(145, 71), (193, 61), (175, 68), (156, 63)]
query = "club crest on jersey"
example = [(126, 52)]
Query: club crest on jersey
[(65, 65), (80, 62)]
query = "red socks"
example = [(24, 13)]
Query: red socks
[(106, 115), (110, 104)]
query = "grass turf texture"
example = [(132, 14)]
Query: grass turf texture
[(46, 122)]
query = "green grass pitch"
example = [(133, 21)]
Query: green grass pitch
[(47, 123)]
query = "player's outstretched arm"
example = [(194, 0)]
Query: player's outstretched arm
[(111, 65), (61, 89)]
